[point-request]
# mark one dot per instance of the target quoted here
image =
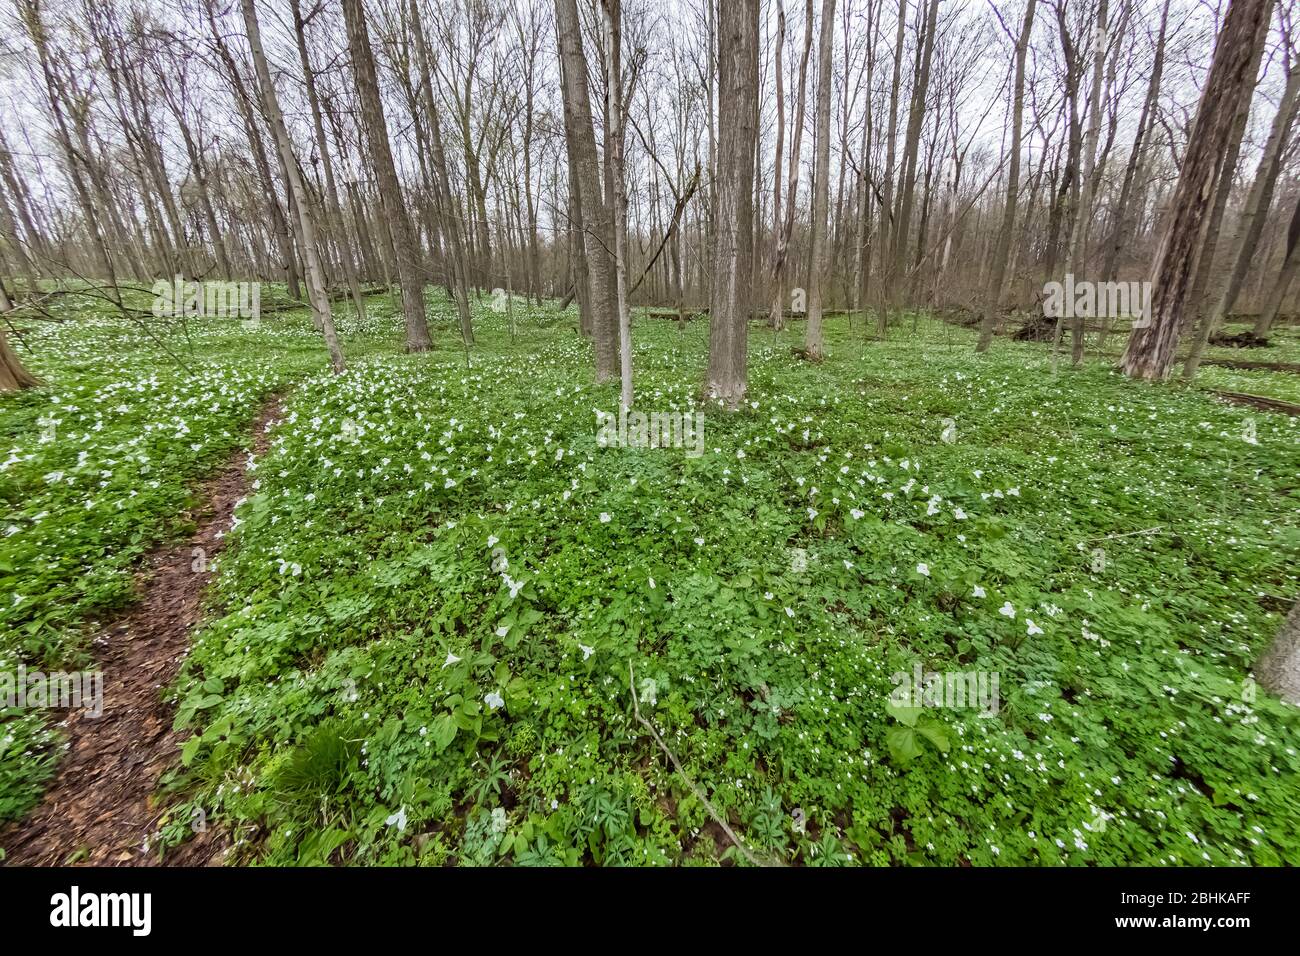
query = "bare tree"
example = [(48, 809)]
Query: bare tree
[(1150, 350), (597, 216), (998, 269), (727, 377), (320, 303), (813, 346), (1250, 225), (409, 271)]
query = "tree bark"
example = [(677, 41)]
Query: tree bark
[(597, 219), (792, 190), (813, 346), (728, 375), (1251, 224), (1290, 266), (1279, 666), (998, 269), (1150, 350), (409, 271), (320, 303)]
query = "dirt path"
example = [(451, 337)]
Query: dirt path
[(99, 807)]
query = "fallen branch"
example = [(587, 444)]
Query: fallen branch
[(677, 765)]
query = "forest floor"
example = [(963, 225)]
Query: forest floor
[(440, 596)]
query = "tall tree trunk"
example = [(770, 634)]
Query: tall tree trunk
[(1206, 270), (887, 223), (409, 272), (728, 372), (1290, 266), (911, 147), (1251, 224), (1150, 350), (612, 14), (998, 269), (30, 11), (333, 207), (451, 224), (813, 346), (243, 102), (597, 218), (780, 145), (1083, 213), (792, 190), (320, 303), (1137, 157)]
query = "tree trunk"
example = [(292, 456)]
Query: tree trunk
[(1251, 224), (451, 224), (886, 238), (1206, 271), (597, 219), (1290, 266), (320, 303), (792, 192), (1083, 213), (611, 10), (813, 346), (728, 374), (1150, 350), (409, 272), (333, 206), (13, 376), (1279, 667), (998, 270), (911, 147)]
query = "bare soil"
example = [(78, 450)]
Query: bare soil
[(99, 809)]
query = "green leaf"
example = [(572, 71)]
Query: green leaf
[(934, 732), (443, 731), (903, 744), (906, 715)]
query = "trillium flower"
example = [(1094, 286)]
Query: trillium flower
[(1006, 610), (398, 819), (604, 517), (700, 542), (451, 659), (856, 513), (923, 569), (789, 613), (502, 631), (959, 514), (978, 592), (1033, 628), (494, 700), (586, 651)]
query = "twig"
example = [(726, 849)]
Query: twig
[(677, 765), (1126, 534)]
